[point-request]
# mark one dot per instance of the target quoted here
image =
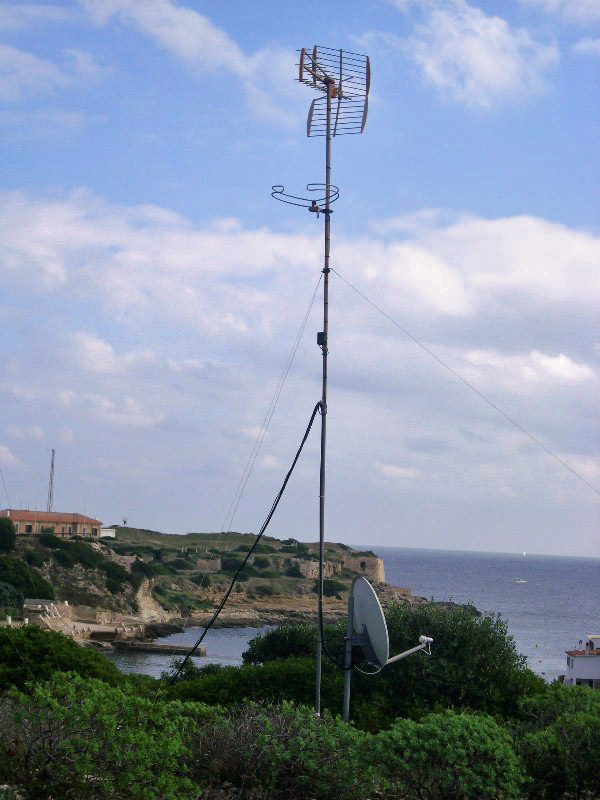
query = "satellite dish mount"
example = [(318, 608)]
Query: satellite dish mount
[(366, 628)]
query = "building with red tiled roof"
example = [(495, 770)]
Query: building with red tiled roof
[(58, 522)]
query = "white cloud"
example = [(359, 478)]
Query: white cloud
[(193, 39), (7, 459), (97, 355), (34, 432), (473, 58), (587, 47), (270, 462), (397, 472), (579, 11), (523, 373), (127, 411), (22, 15), (191, 324), (23, 73)]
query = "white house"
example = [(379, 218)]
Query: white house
[(583, 664)]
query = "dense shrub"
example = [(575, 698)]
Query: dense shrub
[(75, 551), (11, 599), (200, 579), (262, 590), (293, 679), (331, 587), (25, 578), (474, 664), (64, 559), (34, 558), (293, 641), (115, 572), (559, 741), (114, 586), (49, 540), (182, 563), (142, 568), (447, 755), (8, 535), (261, 562), (82, 739), (32, 654), (292, 569), (282, 752)]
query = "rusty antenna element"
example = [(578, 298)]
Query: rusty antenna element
[(343, 78)]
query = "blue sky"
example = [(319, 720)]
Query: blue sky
[(152, 289)]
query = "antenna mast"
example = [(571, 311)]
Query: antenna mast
[(344, 78), (51, 483)]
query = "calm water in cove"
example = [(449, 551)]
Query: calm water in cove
[(558, 605)]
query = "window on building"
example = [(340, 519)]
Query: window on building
[(28, 528), (94, 531), (70, 529), (16, 527)]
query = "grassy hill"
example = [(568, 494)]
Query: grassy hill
[(186, 575)]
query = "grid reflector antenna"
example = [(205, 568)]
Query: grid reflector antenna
[(349, 76)]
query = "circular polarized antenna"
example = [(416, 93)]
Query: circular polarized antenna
[(369, 618)]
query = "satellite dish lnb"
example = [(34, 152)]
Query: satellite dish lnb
[(367, 628)]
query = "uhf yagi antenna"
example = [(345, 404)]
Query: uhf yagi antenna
[(343, 80)]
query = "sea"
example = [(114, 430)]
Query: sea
[(556, 605)]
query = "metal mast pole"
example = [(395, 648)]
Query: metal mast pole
[(324, 346), (51, 484)]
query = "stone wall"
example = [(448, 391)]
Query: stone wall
[(369, 566)]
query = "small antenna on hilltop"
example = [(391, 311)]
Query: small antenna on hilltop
[(367, 629), (344, 78), (51, 484)]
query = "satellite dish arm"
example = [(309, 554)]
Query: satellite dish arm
[(425, 645)]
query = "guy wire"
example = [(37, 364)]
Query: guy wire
[(467, 384), (256, 541), (247, 471)]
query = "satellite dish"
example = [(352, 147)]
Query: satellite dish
[(370, 620), (367, 628)]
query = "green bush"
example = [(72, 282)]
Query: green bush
[(200, 579), (293, 679), (142, 568), (331, 587), (261, 562), (49, 540), (115, 571), (114, 586), (292, 569), (11, 599), (563, 760), (32, 654), (64, 559), (182, 563), (34, 558), (25, 578), (231, 563), (281, 751), (82, 739), (446, 755), (293, 641), (8, 535), (262, 590), (559, 742)]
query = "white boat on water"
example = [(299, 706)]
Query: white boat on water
[(519, 580), (583, 663)]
